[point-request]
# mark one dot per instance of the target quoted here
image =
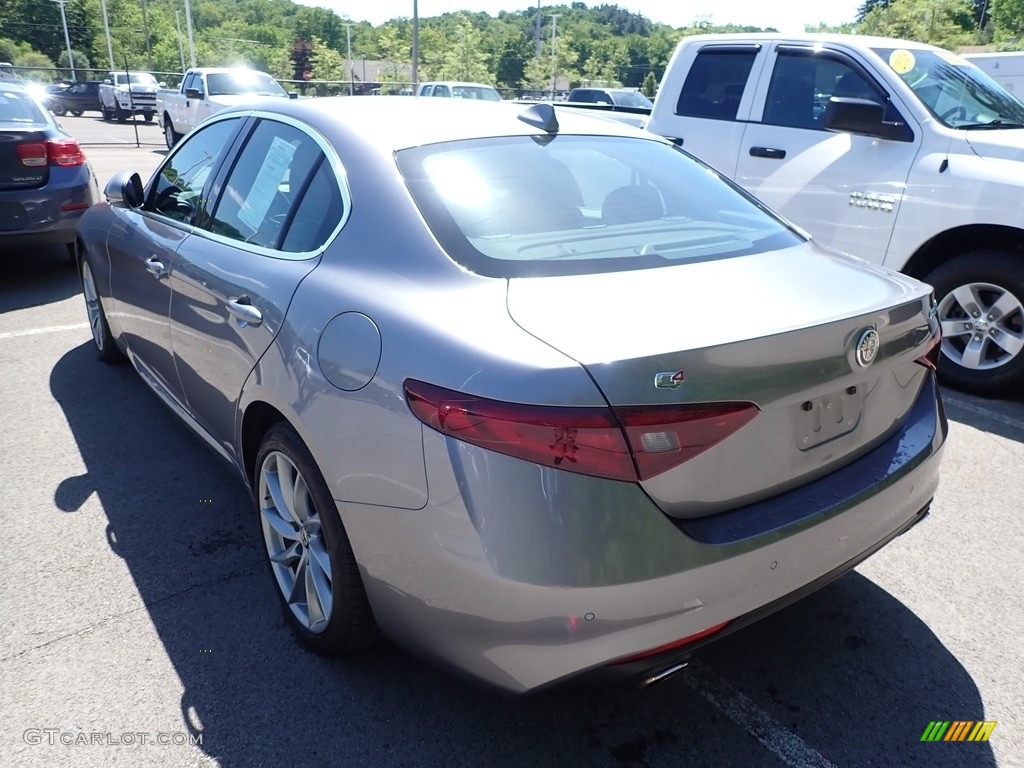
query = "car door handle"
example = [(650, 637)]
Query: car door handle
[(243, 309), (155, 267), (770, 152)]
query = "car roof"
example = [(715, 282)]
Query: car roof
[(858, 41), (390, 125), (457, 82)]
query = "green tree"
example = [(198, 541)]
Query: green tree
[(34, 66), (326, 63), (946, 23), (650, 86), (80, 60), (1008, 16)]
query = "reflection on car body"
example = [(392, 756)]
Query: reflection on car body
[(452, 426)]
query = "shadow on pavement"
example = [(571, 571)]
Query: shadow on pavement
[(36, 275), (850, 671)]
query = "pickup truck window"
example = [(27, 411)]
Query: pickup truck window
[(716, 81), (958, 94), (802, 84), (135, 78), (233, 83)]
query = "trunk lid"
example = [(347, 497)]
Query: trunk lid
[(14, 172), (778, 329)]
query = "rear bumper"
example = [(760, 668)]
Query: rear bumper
[(524, 577), (50, 213)]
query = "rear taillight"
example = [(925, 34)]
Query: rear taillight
[(626, 443), (61, 152)]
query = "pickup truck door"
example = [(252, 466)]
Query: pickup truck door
[(713, 87), (844, 189)]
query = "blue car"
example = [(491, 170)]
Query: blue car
[(45, 182)]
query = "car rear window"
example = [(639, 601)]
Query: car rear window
[(18, 107), (535, 206)]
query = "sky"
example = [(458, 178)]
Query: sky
[(784, 15)]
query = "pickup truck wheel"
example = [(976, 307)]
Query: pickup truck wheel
[(981, 308), (171, 136), (105, 113), (58, 111), (148, 117), (120, 114), (76, 112)]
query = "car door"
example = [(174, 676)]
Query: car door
[(714, 101), (142, 245), (268, 218), (843, 188)]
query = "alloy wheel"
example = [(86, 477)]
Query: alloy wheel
[(982, 326), (295, 542), (92, 306)]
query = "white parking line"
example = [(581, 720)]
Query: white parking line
[(979, 410), (48, 329), (774, 737)]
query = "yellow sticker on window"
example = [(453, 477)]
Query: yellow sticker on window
[(902, 61)]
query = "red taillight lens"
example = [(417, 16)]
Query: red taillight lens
[(673, 645), (630, 443), (65, 153), (33, 154), (664, 437), (62, 152)]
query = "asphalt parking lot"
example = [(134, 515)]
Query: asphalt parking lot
[(138, 625)]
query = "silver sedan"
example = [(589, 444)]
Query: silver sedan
[(530, 393)]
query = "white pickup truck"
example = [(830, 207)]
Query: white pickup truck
[(124, 94), (896, 152), (205, 91)]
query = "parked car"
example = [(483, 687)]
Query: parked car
[(457, 90), (207, 90), (620, 97), (45, 182), (582, 406), (75, 98), (125, 94)]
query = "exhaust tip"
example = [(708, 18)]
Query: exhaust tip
[(665, 674)]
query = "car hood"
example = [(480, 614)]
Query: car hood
[(1004, 144), (235, 99)]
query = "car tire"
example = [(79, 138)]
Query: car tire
[(76, 112), (980, 298), (58, 111), (106, 114), (120, 114), (171, 136), (308, 551), (106, 347), (147, 116)]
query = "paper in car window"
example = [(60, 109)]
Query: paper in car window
[(272, 173), (902, 61)]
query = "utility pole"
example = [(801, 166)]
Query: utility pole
[(67, 39), (348, 59), (554, 54), (145, 31), (106, 31), (539, 45), (181, 49), (188, 26), (415, 46)]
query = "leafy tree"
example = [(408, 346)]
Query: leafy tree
[(34, 66), (1008, 16), (80, 61), (326, 63), (650, 86), (939, 22)]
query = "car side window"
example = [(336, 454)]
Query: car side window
[(271, 173), (441, 90), (178, 192), (802, 84), (715, 83), (317, 213)]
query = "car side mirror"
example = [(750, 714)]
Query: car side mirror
[(161, 84), (108, 81), (125, 188), (861, 116), (193, 93), (293, 95)]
